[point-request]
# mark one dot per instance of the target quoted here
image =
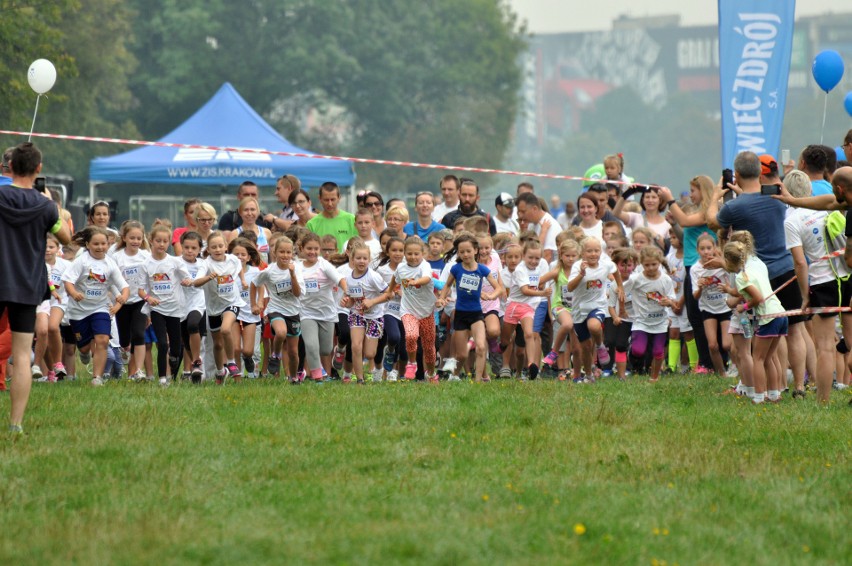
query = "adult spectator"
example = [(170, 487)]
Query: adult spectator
[(376, 204), (332, 220), (652, 212), (555, 205), (524, 187), (599, 192), (423, 224), (588, 207), (503, 221), (394, 202), (764, 218), (188, 217), (300, 202), (830, 161), (468, 206), (813, 162), (25, 217), (530, 211), (769, 170), (205, 216), (450, 192), (231, 218), (249, 211), (286, 186), (829, 280), (847, 146), (566, 217), (5, 169)]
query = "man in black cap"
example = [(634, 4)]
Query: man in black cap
[(503, 221)]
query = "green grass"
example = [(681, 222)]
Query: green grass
[(449, 474)]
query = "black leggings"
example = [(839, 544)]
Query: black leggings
[(131, 324), (343, 337), (193, 324), (697, 322), (167, 329)]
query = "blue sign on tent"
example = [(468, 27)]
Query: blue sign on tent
[(225, 121)]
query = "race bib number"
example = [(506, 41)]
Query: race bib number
[(244, 295), (311, 286), (713, 297), (131, 273), (283, 287), (393, 307), (56, 279), (163, 289), (534, 281), (226, 289), (356, 291), (469, 282), (94, 293)]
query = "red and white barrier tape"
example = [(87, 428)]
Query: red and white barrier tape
[(798, 312), (310, 156)]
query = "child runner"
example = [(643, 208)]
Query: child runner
[(130, 254), (365, 291), (466, 277), (652, 292), (492, 309), (680, 331), (58, 305), (393, 253), (319, 312), (162, 278), (561, 301), (244, 333), (588, 282), (88, 282), (618, 328), (417, 307), (193, 324), (753, 284), (526, 290), (284, 282), (711, 300), (219, 281)]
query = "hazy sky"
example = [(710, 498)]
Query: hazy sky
[(549, 16)]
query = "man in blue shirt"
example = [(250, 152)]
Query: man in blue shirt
[(764, 217), (814, 162), (5, 169)]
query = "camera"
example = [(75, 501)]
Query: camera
[(40, 184)]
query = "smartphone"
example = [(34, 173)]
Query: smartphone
[(785, 157), (727, 178), (770, 190), (40, 184)]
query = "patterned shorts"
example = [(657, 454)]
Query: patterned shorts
[(375, 327)]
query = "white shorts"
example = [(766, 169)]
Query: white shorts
[(43, 308), (680, 321)]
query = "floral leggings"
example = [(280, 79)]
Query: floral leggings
[(417, 329)]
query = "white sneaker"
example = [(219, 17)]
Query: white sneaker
[(449, 365), (733, 371), (392, 376), (97, 381), (164, 381), (139, 376), (37, 373), (453, 377)]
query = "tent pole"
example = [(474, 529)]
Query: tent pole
[(92, 186)]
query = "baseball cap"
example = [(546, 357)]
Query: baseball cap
[(768, 165), (505, 199)]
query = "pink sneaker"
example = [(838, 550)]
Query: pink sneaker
[(471, 344), (603, 355), (550, 359), (702, 370), (51, 377), (410, 371)]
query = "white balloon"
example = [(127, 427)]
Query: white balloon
[(42, 75)]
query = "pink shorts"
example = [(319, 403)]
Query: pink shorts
[(516, 312)]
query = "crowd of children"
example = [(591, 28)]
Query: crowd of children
[(461, 303)]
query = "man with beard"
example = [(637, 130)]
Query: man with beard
[(468, 206)]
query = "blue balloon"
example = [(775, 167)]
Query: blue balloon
[(839, 153), (847, 103), (828, 69)]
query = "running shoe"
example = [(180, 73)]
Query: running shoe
[(300, 375), (97, 382), (59, 370), (233, 370), (550, 359), (339, 357), (603, 355), (505, 373), (388, 359), (410, 370), (702, 370), (37, 373), (273, 365), (164, 382), (433, 378), (86, 358), (453, 377), (393, 376)]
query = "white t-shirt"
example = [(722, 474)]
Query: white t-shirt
[(54, 273), (343, 271), (223, 291), (712, 299), (524, 276), (193, 297), (596, 232), (317, 295), (93, 278), (279, 288), (650, 316), (510, 226), (245, 313), (442, 210), (416, 301), (392, 307), (590, 294), (375, 247), (161, 278), (131, 267), (496, 266), (368, 286), (806, 229), (629, 313), (549, 242)]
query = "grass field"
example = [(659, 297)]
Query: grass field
[(507, 472)]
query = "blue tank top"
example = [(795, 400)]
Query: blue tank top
[(262, 244), (690, 243)]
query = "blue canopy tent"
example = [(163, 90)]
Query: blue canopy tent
[(225, 121)]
